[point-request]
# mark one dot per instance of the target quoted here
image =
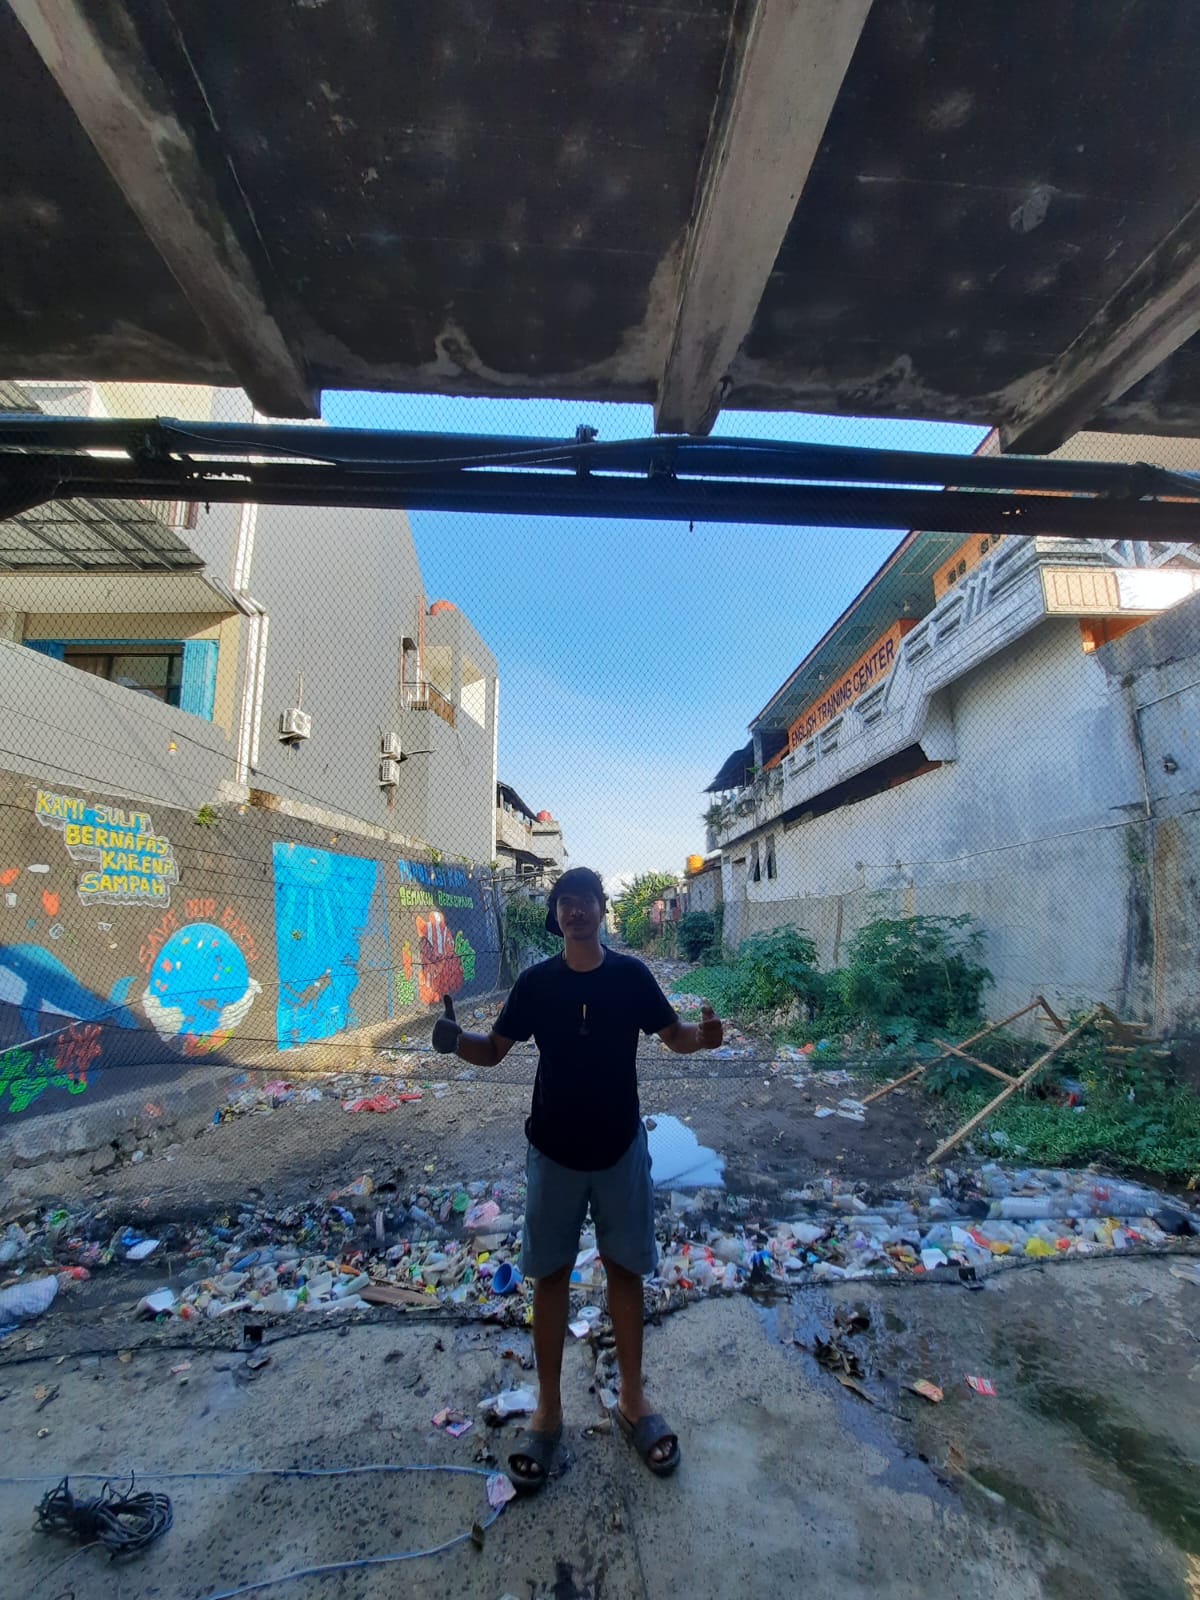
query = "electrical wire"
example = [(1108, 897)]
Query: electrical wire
[(61, 1513), (351, 1566), (64, 1594), (125, 1523)]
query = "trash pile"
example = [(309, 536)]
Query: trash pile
[(458, 1246), (396, 1076), (968, 1222)]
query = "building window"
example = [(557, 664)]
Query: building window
[(156, 670), (755, 864), (180, 673), (771, 856)]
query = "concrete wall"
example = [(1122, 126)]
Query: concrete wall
[(1037, 829), (66, 726), (1156, 670), (137, 937), (449, 796), (704, 891)]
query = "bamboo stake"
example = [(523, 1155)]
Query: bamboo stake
[(1017, 1083), (983, 1066), (974, 1039), (878, 1094)]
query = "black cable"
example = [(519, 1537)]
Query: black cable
[(124, 1523)]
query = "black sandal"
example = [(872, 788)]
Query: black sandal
[(542, 1453), (644, 1434)]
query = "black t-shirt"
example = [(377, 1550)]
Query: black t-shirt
[(585, 1100)]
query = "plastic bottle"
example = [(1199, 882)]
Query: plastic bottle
[(350, 1286)]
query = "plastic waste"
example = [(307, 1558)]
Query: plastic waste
[(153, 1305), (27, 1299), (510, 1403), (482, 1215)]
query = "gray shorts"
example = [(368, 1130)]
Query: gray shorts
[(622, 1204)]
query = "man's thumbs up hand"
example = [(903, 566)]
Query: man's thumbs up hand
[(446, 1030), (710, 1030)]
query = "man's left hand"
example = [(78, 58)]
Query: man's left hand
[(709, 1028)]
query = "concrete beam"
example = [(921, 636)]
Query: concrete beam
[(1155, 310), (126, 110), (768, 127)]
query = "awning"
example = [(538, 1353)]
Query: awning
[(73, 536), (506, 794), (735, 771)]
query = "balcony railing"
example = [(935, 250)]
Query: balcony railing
[(994, 605), (425, 697)]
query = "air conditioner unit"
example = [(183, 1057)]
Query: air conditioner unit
[(389, 745), (294, 725), (389, 773)]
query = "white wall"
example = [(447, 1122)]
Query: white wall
[(1028, 831)]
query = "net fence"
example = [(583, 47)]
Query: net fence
[(275, 779)]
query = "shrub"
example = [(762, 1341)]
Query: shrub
[(906, 977), (769, 972), (697, 935), (773, 969)]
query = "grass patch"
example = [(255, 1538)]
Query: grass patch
[(1156, 1131)]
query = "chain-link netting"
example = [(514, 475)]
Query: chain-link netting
[(275, 779)]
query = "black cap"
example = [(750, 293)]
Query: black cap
[(580, 880)]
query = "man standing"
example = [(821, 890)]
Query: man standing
[(587, 1147)]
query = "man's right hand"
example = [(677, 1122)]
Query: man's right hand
[(446, 1030)]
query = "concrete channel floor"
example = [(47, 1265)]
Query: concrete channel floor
[(1078, 1479)]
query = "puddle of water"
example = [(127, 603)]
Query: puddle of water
[(677, 1157), (1161, 1478), (796, 1325)]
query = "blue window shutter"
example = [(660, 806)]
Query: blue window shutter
[(199, 688), (47, 647)]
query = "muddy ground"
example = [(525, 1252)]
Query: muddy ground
[(1076, 1479), (467, 1125)]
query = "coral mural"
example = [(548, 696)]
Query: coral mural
[(200, 987)]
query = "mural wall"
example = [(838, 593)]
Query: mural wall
[(134, 940), (331, 936), (453, 948)]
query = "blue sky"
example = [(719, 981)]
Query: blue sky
[(633, 654)]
